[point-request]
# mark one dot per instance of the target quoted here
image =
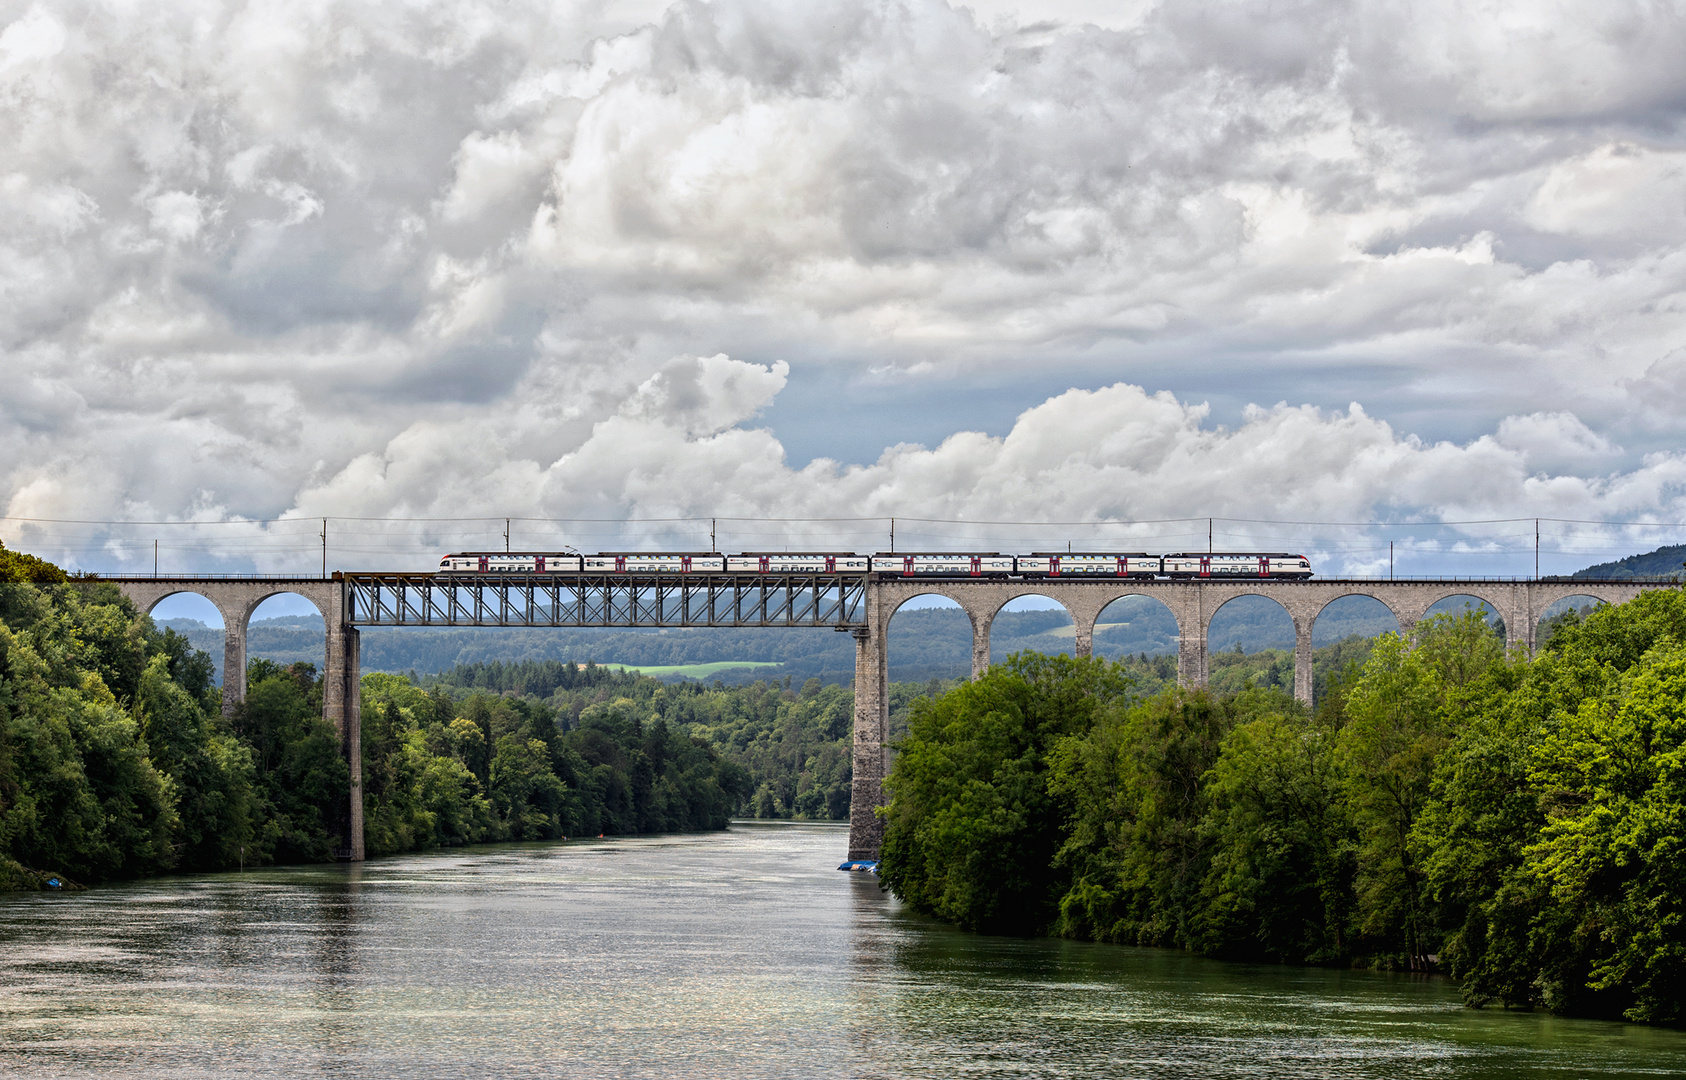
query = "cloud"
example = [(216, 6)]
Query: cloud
[(1555, 440), (354, 258), (679, 448)]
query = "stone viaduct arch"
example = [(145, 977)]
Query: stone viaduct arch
[(1192, 603), (236, 599)]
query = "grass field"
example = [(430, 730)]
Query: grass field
[(694, 671)]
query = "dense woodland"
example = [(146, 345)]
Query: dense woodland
[(1517, 824), (116, 760), (1446, 806)]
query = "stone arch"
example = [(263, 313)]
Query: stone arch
[(1296, 627), (1556, 607), (1356, 594), (900, 604), (148, 603), (1514, 630), (1248, 598), (1000, 605), (258, 598), (1154, 603)]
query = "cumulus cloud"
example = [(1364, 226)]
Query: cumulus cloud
[(681, 449), (361, 259)]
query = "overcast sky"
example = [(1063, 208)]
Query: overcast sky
[(1064, 261)]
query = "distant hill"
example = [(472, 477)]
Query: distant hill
[(1662, 564), (925, 643)]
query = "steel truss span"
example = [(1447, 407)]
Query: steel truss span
[(607, 600)]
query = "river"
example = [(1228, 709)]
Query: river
[(743, 954)]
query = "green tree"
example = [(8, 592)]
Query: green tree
[(972, 826), (1284, 853), (1401, 714), (1139, 851)]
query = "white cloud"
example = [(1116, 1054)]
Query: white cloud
[(352, 256), (1620, 190), (1556, 441)]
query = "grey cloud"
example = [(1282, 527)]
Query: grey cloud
[(272, 258)]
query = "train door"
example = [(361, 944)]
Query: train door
[(483, 564), (831, 564), (1205, 566), (977, 566), (765, 563), (620, 564), (907, 566), (1264, 566)]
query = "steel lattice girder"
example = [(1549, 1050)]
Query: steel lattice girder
[(607, 600)]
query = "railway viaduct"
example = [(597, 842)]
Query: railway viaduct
[(863, 607)]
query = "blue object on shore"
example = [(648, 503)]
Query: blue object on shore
[(862, 865), (54, 883)]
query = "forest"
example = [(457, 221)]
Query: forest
[(1516, 824), (117, 762), (1446, 806)]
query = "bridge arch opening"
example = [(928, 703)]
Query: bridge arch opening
[(928, 637), (927, 650), (1458, 603), (1142, 627), (1354, 616), (285, 628), (1031, 622), (182, 607), (1568, 609), (201, 622), (1250, 642), (1343, 633)]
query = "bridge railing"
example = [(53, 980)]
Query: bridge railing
[(204, 577)]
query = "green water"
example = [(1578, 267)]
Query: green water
[(743, 954)]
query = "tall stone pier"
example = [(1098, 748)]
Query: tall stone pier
[(872, 729)]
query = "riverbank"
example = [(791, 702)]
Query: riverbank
[(15, 877)]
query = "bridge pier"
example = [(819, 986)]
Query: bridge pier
[(1186, 604), (1302, 658), (342, 706), (872, 721), (982, 622), (233, 659)]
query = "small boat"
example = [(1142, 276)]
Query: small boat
[(864, 866)]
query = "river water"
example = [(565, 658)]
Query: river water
[(743, 954)]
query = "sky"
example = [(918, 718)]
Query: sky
[(1019, 275)]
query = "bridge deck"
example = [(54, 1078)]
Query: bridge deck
[(607, 600)]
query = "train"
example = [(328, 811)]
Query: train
[(1043, 564)]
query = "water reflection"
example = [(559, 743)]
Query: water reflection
[(737, 955)]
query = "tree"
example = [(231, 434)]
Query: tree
[(1401, 715), (972, 826), (1139, 850), (1284, 852)]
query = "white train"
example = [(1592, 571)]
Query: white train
[(1227, 564)]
